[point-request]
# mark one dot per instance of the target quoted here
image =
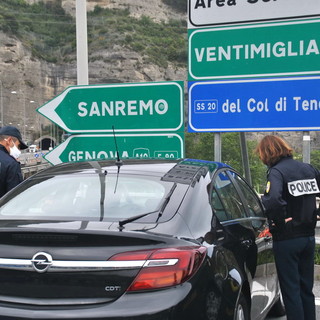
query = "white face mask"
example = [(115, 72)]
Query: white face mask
[(15, 152)]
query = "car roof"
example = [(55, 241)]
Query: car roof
[(180, 171)]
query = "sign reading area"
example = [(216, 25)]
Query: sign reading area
[(274, 49), (98, 147), (255, 105), (144, 107), (212, 12)]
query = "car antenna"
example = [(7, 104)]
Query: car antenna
[(118, 162)]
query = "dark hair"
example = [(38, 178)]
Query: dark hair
[(2, 137), (272, 148)]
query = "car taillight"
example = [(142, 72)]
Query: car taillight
[(164, 267)]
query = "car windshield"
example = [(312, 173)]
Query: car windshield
[(85, 197)]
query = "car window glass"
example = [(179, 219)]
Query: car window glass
[(229, 197), (88, 197), (254, 207), (218, 207)]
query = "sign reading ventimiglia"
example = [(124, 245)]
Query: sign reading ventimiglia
[(266, 49)]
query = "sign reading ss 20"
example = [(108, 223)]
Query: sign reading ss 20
[(141, 107), (255, 105)]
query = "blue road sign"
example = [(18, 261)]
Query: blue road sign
[(255, 105)]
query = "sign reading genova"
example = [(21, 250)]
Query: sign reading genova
[(255, 104), (141, 107), (84, 147), (255, 50), (213, 12)]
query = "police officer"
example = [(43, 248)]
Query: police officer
[(10, 170), (290, 203)]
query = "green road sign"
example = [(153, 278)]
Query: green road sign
[(142, 107), (271, 49), (91, 147), (205, 13)]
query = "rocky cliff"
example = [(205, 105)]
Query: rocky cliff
[(154, 9), (36, 81)]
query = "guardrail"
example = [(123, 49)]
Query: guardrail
[(33, 162), (31, 170)]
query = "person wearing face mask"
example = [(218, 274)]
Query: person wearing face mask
[(11, 144)]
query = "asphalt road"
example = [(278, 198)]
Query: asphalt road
[(316, 291)]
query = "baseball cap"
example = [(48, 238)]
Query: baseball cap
[(13, 132)]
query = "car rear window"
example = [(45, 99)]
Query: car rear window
[(87, 197)]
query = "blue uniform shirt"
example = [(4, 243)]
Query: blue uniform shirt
[(291, 192), (10, 171)]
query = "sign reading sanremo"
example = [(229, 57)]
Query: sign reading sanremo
[(128, 107)]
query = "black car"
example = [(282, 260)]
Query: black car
[(136, 240)]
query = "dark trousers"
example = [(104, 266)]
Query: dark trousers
[(295, 266)]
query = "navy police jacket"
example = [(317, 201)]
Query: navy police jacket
[(10, 171), (290, 194)]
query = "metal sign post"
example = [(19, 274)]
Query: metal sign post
[(306, 146), (82, 42), (217, 146)]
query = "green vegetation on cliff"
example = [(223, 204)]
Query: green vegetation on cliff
[(50, 33), (159, 43), (45, 29)]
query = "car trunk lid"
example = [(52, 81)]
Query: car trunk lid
[(67, 268), (70, 268)]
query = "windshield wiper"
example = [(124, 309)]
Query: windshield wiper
[(125, 221), (139, 216)]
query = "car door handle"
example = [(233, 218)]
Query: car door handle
[(220, 235)]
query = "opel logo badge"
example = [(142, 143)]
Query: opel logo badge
[(41, 262)]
